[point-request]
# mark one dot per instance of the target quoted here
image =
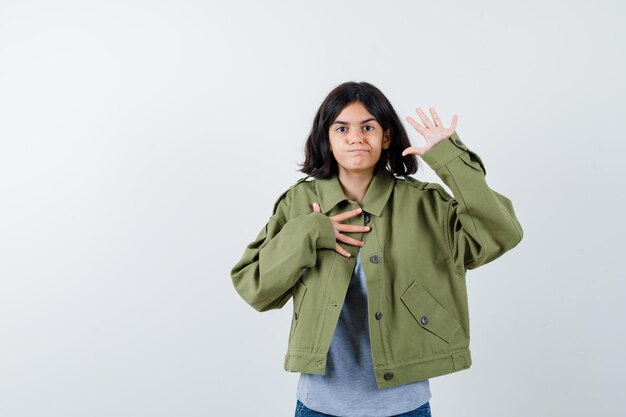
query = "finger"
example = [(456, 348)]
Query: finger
[(436, 118), (342, 251), (316, 207), (413, 150), (349, 240), (453, 124), (346, 215), (416, 125), (351, 228), (424, 118)]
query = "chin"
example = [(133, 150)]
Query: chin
[(357, 169)]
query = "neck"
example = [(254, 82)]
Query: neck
[(355, 184)]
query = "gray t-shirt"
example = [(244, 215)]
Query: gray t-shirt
[(349, 387)]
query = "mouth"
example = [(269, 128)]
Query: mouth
[(358, 150)]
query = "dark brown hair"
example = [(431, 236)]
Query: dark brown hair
[(320, 162)]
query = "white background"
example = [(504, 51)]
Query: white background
[(142, 145)]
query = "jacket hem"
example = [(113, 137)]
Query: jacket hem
[(416, 371), (450, 362), (309, 363)]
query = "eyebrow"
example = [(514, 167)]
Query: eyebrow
[(341, 122)]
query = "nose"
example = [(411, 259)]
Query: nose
[(355, 138)]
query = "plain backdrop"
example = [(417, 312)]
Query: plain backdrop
[(142, 145)]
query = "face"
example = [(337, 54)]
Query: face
[(357, 140)]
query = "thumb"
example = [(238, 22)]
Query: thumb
[(416, 150), (316, 207)]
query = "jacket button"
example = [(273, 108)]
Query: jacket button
[(366, 218), (424, 320), (458, 142), (378, 315), (295, 316), (388, 375), (375, 259)]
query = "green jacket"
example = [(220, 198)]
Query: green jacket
[(415, 257)]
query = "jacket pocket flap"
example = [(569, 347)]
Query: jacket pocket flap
[(427, 311)]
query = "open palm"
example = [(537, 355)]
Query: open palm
[(433, 132)]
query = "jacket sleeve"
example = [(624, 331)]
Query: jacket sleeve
[(283, 249), (480, 224)]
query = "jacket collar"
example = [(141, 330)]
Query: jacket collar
[(330, 193)]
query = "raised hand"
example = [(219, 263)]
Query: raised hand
[(340, 227), (433, 132)]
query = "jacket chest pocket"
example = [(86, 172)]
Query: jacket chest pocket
[(298, 297), (428, 313)]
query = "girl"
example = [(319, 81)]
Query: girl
[(375, 263)]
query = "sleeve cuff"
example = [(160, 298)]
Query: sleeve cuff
[(444, 151), (326, 237)]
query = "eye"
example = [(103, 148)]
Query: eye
[(340, 127), (372, 127)]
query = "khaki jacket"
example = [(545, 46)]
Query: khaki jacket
[(415, 257)]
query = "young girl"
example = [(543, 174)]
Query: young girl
[(374, 259)]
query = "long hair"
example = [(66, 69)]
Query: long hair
[(320, 162)]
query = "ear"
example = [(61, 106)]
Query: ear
[(387, 138)]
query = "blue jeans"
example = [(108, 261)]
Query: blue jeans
[(421, 411)]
